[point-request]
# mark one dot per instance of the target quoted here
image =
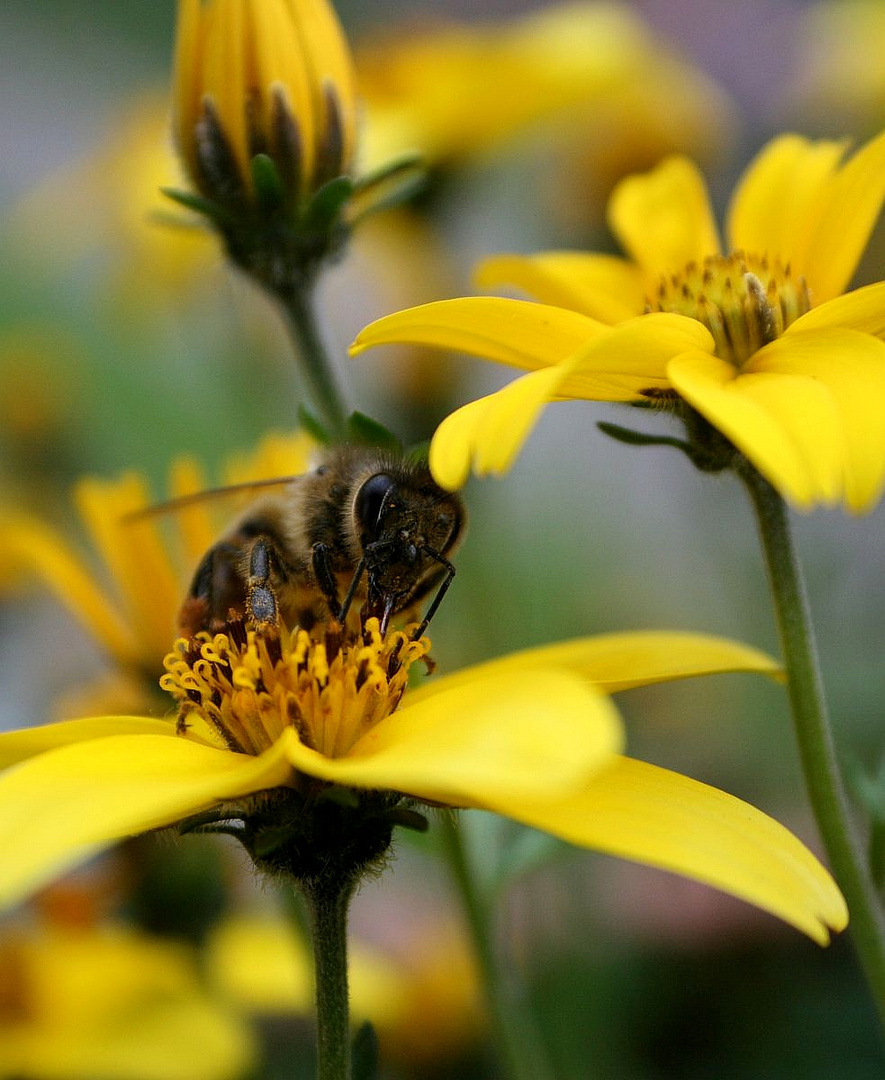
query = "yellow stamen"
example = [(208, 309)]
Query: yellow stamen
[(743, 300), (249, 685)]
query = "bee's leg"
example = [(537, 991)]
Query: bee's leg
[(327, 583), (351, 589), (216, 590), (261, 600), (440, 592), (325, 577)]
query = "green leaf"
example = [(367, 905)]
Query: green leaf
[(364, 430), (312, 426), (364, 1064)]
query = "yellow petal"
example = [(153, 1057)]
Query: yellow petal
[(188, 62), (224, 74), (788, 426), (851, 366), (25, 743), (663, 218), (502, 738), (514, 332), (490, 432), (638, 811), (29, 544), (633, 357), (862, 309), (774, 203), (838, 236), (59, 807), (614, 662), (601, 286), (621, 364), (135, 553)]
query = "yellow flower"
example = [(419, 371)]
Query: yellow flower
[(128, 599), (422, 997), (106, 210), (460, 91), (79, 1003), (267, 77), (840, 79), (311, 752), (759, 337)]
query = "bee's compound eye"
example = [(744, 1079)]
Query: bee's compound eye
[(370, 500)]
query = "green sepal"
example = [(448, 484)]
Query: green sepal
[(399, 182), (639, 438), (408, 160), (365, 1053), (267, 182), (418, 453), (406, 818), (269, 839), (312, 426), (197, 203), (366, 431), (205, 822), (325, 206), (340, 796)]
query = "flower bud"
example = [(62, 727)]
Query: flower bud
[(262, 77)]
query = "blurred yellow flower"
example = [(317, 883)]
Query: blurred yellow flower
[(839, 83), (110, 1003), (531, 736), (267, 77), (424, 1001), (107, 208), (757, 337), (128, 598), (459, 91)]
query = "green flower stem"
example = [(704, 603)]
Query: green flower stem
[(514, 1027), (813, 732), (327, 904), (313, 362)]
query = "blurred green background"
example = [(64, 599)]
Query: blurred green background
[(636, 974)]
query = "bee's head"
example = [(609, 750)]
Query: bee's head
[(404, 523)]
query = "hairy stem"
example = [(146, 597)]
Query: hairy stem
[(313, 362), (814, 734), (327, 904)]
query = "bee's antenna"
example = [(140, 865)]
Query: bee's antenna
[(171, 505)]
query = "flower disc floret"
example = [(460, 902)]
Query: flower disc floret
[(745, 301), (250, 684)]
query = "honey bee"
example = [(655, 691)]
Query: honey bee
[(364, 534)]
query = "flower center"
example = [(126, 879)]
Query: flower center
[(743, 300), (248, 685)]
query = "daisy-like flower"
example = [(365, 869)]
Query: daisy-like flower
[(128, 596), (759, 337), (312, 751)]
